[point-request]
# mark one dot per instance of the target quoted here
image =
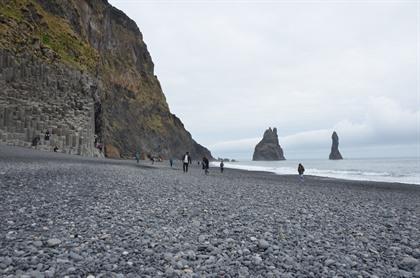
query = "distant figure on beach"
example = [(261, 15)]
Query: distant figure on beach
[(55, 149), (137, 155), (186, 159), (222, 165), (35, 141), (47, 135), (152, 158), (171, 162), (301, 170), (205, 165)]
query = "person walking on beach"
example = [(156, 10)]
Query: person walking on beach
[(137, 155), (205, 165), (186, 159), (222, 165), (301, 170), (35, 141), (47, 135)]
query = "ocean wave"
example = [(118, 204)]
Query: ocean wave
[(348, 174)]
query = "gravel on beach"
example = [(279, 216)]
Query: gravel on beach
[(82, 217)]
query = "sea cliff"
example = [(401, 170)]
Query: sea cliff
[(81, 70)]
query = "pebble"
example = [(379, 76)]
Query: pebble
[(408, 263), (53, 242), (37, 243), (263, 244), (329, 262), (257, 260), (116, 218)]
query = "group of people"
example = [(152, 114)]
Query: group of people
[(186, 161), (37, 140)]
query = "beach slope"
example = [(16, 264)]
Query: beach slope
[(69, 215)]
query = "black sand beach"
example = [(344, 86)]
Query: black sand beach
[(68, 215)]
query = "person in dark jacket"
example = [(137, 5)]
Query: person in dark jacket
[(301, 170), (186, 160), (222, 166), (35, 141), (205, 165), (47, 135)]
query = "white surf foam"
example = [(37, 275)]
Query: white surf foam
[(348, 174)]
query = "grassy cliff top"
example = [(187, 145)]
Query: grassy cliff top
[(25, 26)]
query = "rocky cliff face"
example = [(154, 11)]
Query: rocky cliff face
[(88, 59), (268, 148), (335, 153), (36, 97)]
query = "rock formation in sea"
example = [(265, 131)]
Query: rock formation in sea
[(81, 70), (268, 148), (335, 153)]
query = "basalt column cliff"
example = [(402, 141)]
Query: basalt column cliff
[(81, 70)]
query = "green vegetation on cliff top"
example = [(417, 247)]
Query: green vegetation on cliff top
[(25, 25)]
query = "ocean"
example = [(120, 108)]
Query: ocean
[(402, 170)]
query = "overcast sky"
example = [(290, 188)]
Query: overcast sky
[(231, 69)]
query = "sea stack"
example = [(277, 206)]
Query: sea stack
[(268, 149), (335, 153)]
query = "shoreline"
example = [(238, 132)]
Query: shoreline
[(355, 182), (21, 151), (317, 170), (364, 184)]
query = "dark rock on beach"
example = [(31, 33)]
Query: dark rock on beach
[(268, 148), (335, 153)]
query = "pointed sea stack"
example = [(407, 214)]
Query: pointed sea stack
[(268, 149), (335, 153)]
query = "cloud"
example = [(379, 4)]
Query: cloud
[(385, 123), (230, 69)]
